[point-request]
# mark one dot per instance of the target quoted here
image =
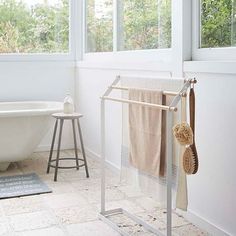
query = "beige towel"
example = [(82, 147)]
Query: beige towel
[(145, 127)]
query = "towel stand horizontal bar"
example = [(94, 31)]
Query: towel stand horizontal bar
[(164, 92), (162, 107)]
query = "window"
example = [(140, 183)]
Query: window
[(218, 23), (145, 24), (34, 26), (138, 25), (99, 26)]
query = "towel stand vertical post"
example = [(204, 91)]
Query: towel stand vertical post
[(169, 112)]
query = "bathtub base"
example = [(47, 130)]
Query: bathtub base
[(22, 127), (4, 166)]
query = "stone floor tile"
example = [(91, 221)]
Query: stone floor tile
[(74, 175), (21, 205), (190, 229), (177, 220), (78, 214), (112, 194), (37, 166), (129, 226), (30, 221), (49, 178), (11, 170), (52, 231), (152, 220), (60, 186), (147, 203), (124, 204), (86, 184), (131, 191), (93, 228), (73, 207), (64, 200), (4, 226)]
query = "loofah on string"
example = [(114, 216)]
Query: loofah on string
[(183, 133)]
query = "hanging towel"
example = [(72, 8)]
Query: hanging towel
[(182, 191), (145, 130)]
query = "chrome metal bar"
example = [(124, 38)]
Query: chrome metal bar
[(184, 89), (103, 158), (104, 216), (143, 223), (169, 171), (113, 225), (109, 89)]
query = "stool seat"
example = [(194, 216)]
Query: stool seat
[(60, 118), (67, 116)]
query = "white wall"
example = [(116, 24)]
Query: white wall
[(213, 190), (21, 81)]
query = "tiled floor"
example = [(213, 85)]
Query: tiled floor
[(72, 209)]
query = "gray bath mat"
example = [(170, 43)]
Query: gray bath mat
[(22, 185)]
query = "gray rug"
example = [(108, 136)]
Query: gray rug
[(22, 185)]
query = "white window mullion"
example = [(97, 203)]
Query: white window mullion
[(181, 34), (196, 26), (72, 37), (80, 30), (115, 25)]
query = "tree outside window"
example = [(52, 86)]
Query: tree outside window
[(39, 26)]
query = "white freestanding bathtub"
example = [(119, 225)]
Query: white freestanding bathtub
[(22, 127)]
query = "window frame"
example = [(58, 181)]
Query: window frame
[(143, 55), (7, 57), (206, 54)]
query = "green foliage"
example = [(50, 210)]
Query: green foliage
[(39, 29), (146, 24), (218, 23), (99, 27), (143, 24)]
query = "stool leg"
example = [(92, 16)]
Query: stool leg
[(82, 148), (75, 144), (52, 146), (58, 149)]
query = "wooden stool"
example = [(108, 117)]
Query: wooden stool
[(61, 117)]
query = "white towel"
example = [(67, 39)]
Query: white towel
[(182, 194)]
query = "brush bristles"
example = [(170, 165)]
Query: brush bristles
[(190, 162)]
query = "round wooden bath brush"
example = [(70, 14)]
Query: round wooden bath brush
[(190, 157)]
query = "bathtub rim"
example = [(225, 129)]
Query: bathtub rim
[(54, 106)]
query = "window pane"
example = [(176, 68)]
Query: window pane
[(99, 26), (144, 24), (218, 23), (34, 26)]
